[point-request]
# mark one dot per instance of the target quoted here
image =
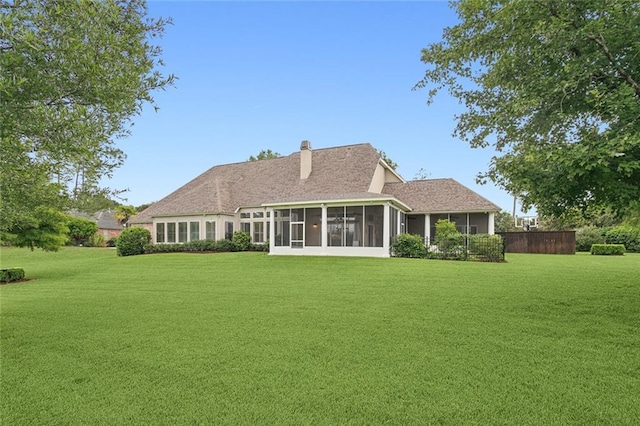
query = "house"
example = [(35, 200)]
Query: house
[(108, 226), (343, 201)]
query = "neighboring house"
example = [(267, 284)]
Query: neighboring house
[(108, 226), (343, 201)]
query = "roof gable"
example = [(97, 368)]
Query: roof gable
[(225, 188), (439, 196)]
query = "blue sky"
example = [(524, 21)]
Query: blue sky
[(267, 75)]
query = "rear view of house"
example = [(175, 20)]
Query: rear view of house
[(344, 201)]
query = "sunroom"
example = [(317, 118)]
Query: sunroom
[(355, 227)]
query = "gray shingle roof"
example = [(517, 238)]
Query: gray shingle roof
[(104, 219), (340, 173), (439, 196), (223, 189)]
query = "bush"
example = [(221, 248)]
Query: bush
[(11, 275), (226, 245), (96, 240), (625, 235), (111, 242), (242, 240), (132, 241), (607, 249), (407, 245), (486, 247), (81, 230), (588, 236)]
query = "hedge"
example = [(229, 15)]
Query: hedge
[(11, 275), (608, 249)]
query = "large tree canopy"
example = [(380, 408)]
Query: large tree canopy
[(554, 86), (72, 74)]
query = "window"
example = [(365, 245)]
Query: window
[(245, 227), (159, 232), (335, 225), (171, 232), (210, 230), (245, 215), (182, 232), (228, 230), (353, 226), (258, 215), (194, 231), (258, 232)]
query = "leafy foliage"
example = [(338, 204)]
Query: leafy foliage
[(132, 241), (503, 222), (81, 229), (389, 161), (625, 235), (265, 154), (73, 75), (588, 236), (553, 86), (407, 245), (44, 228), (241, 240), (11, 275), (608, 249)]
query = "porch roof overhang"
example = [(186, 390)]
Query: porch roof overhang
[(453, 211), (362, 198)]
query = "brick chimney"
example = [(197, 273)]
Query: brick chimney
[(305, 159)]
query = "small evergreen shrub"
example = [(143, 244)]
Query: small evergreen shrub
[(226, 245), (242, 240), (608, 249), (588, 236), (132, 241), (486, 247), (111, 242), (625, 235), (407, 245), (11, 275)]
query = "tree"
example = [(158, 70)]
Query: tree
[(81, 229), (386, 159), (421, 174), (124, 213), (73, 76), (45, 228), (504, 222), (265, 154), (554, 86)]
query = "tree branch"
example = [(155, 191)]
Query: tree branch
[(599, 40)]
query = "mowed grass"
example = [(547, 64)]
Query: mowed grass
[(246, 338)]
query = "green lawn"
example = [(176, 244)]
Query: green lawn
[(245, 338)]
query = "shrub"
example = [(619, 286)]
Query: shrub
[(625, 235), (407, 245), (486, 247), (11, 275), (449, 242), (132, 241), (607, 249), (200, 245), (226, 245), (96, 240), (111, 242), (587, 236), (242, 240), (81, 230)]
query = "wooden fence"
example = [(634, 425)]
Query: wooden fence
[(549, 242)]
